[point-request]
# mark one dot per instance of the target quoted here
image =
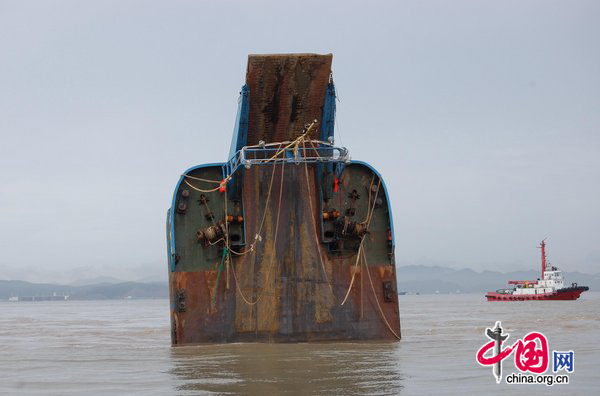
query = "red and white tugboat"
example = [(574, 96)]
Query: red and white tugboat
[(549, 287)]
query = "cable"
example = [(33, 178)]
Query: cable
[(200, 179), (276, 224), (257, 236), (370, 210), (296, 142), (312, 216), (377, 300), (199, 189), (369, 207), (274, 251), (358, 256)]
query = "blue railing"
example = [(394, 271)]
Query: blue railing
[(318, 152)]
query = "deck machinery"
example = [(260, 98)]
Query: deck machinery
[(289, 240)]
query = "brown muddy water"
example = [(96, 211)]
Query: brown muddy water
[(123, 348)]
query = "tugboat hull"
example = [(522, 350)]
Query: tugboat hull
[(550, 286), (568, 293)]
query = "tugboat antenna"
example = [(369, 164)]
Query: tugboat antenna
[(543, 247)]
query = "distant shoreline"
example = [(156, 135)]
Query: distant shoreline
[(33, 292), (412, 279)]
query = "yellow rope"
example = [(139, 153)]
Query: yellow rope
[(370, 209), (312, 216), (288, 142), (199, 189), (358, 256), (262, 222), (296, 142), (377, 300), (373, 207), (257, 236), (274, 251), (200, 179), (276, 225), (237, 285), (314, 149), (215, 242)]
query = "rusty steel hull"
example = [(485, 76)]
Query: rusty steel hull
[(286, 92), (288, 266)]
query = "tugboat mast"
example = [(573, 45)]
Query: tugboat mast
[(543, 247)]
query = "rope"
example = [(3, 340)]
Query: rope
[(200, 179), (374, 202), (273, 253), (237, 285), (199, 189), (215, 242), (276, 224), (257, 237), (220, 182), (314, 149), (214, 296), (244, 252), (358, 256), (377, 300), (361, 297), (262, 222), (369, 207), (312, 216), (287, 142), (296, 142), (370, 210)]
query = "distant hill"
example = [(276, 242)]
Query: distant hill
[(429, 279), (411, 278), (98, 291), (95, 281)]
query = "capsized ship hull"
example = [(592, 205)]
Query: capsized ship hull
[(289, 240)]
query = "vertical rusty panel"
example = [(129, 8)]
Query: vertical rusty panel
[(287, 91), (204, 319)]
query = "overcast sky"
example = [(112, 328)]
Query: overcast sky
[(483, 117)]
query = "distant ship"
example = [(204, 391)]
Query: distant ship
[(289, 240), (550, 286)]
